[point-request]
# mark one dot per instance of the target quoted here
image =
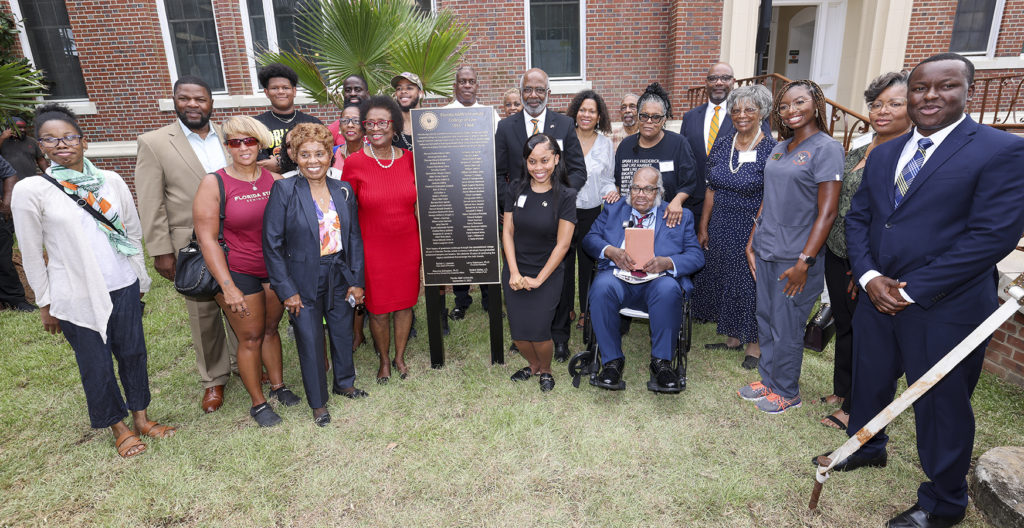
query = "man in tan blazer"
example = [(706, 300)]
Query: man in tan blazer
[(170, 164)]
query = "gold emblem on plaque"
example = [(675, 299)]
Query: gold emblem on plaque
[(428, 120)]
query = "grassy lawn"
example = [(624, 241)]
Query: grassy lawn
[(459, 446)]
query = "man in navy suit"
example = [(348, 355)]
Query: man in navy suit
[(512, 134), (709, 121), (937, 209), (677, 256)]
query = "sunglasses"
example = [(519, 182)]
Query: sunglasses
[(238, 142)]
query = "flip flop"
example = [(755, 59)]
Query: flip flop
[(832, 422), (126, 441), (156, 430)]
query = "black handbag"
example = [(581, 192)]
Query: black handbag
[(820, 329), (192, 278)]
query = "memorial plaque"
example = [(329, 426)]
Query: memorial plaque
[(456, 195)]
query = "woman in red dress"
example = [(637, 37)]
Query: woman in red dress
[(382, 177)]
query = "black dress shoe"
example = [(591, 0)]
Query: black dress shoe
[(522, 374), (856, 461), (561, 352), (610, 376), (23, 306), (457, 314), (547, 382), (916, 517), (663, 374)]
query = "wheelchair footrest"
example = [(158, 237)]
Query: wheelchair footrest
[(621, 385)]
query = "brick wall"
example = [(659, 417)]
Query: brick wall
[(931, 28), (1005, 355)]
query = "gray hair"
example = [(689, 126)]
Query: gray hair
[(661, 185), (758, 94), (883, 82)]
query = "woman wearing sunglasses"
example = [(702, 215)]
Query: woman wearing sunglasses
[(656, 147), (382, 177), (252, 309)]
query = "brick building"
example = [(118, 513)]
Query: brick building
[(114, 61)]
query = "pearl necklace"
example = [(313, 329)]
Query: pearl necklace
[(749, 147), (285, 121), (375, 158)]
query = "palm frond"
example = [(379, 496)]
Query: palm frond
[(20, 89), (431, 47)]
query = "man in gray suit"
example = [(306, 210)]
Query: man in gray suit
[(170, 164)]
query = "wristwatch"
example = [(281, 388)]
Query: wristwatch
[(809, 260)]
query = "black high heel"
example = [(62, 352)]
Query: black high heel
[(401, 375)]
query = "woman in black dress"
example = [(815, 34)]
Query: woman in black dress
[(543, 208)]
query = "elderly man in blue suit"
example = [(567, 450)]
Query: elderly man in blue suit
[(936, 210), (621, 282)]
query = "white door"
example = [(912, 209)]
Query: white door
[(800, 44)]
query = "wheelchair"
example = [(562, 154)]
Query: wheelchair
[(588, 362)]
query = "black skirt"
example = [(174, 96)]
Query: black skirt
[(530, 312)]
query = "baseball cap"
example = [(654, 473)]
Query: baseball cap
[(411, 77)]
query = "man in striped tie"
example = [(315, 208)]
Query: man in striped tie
[(936, 210)]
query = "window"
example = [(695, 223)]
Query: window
[(193, 41), (427, 6), (279, 32), (555, 32), (52, 47), (976, 26)]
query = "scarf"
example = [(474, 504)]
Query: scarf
[(85, 185)]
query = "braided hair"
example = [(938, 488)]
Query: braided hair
[(819, 107)]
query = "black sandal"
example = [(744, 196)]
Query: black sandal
[(547, 382), (284, 395), (323, 419)]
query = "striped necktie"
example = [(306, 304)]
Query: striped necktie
[(906, 176), (713, 131), (535, 130)]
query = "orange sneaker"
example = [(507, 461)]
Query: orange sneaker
[(775, 404), (754, 392)]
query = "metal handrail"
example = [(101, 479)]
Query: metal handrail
[(998, 101), (842, 121)]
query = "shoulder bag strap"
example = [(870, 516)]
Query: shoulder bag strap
[(223, 204), (85, 205)]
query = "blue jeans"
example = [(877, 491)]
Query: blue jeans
[(127, 344)]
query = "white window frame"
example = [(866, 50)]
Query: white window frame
[(165, 32), (81, 106), (993, 33), (563, 85)]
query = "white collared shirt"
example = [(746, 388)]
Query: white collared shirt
[(709, 113), (540, 121), (208, 150), (908, 152), (457, 104)]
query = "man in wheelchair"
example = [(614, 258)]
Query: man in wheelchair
[(657, 286)]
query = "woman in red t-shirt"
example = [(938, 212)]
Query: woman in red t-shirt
[(252, 309)]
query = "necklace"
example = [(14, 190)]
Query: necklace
[(285, 121), (373, 151), (251, 180), (737, 169), (405, 142)]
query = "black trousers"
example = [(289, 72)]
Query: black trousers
[(126, 343), (584, 220), (836, 279), (11, 290), (330, 303), (464, 300)]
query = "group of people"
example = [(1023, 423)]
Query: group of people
[(292, 215)]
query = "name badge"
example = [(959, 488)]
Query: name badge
[(560, 146), (667, 166), (749, 156), (521, 201)]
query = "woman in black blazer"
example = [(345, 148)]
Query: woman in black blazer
[(314, 256)]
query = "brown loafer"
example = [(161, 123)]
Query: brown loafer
[(213, 398)]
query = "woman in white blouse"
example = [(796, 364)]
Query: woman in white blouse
[(593, 123), (91, 287)]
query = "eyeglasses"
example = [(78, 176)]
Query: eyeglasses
[(380, 123), (649, 191), (740, 111), (798, 102), (69, 140), (717, 78), (349, 121), (238, 142), (894, 105), (529, 90), (652, 118)]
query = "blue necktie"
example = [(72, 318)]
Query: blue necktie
[(906, 176)]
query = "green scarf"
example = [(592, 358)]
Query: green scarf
[(86, 185)]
